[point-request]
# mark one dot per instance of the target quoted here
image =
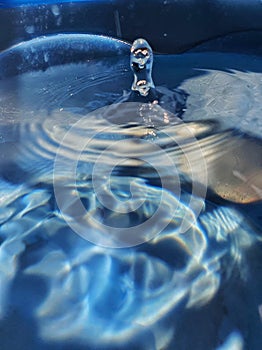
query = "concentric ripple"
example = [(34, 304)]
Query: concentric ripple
[(59, 141)]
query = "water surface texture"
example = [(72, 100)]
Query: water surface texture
[(128, 227)]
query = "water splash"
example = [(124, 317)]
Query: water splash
[(156, 294), (152, 104), (141, 62), (143, 88)]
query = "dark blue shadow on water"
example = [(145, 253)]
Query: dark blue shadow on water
[(169, 26)]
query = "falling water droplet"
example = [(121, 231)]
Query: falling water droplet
[(141, 62)]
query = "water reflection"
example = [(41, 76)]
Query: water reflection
[(197, 286), (102, 296)]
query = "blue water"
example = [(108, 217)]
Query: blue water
[(129, 228)]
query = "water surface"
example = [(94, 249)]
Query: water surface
[(196, 278)]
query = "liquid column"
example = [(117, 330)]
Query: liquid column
[(141, 62)]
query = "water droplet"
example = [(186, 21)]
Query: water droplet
[(55, 10), (59, 21), (46, 57), (141, 61), (30, 29)]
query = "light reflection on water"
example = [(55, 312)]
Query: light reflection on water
[(104, 296), (66, 292)]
